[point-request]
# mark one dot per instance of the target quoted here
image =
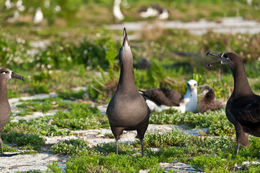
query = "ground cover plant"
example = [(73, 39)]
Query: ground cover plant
[(78, 61)]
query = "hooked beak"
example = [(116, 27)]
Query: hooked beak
[(17, 76), (218, 55)]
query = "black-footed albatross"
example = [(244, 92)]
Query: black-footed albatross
[(243, 106), (159, 99), (5, 110), (209, 102), (127, 110)]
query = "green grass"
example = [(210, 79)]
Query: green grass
[(207, 154), (216, 121), (83, 53), (27, 141), (69, 147)]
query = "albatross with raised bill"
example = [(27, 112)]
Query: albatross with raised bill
[(127, 110)]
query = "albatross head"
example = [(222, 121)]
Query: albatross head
[(125, 54), (6, 74), (229, 58), (192, 85)]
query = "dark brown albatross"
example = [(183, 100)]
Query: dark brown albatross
[(5, 110), (243, 106), (127, 110), (209, 101)]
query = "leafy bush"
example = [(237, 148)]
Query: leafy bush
[(22, 139), (70, 147), (80, 116), (13, 53), (28, 107), (37, 126), (216, 121), (66, 9), (39, 87), (61, 55), (70, 94)]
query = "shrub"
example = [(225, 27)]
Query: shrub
[(22, 139)]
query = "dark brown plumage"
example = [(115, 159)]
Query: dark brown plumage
[(159, 99), (163, 96), (127, 110), (209, 101), (243, 106), (5, 110), (143, 64)]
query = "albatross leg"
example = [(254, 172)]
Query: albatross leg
[(142, 146), (237, 149), (241, 137), (1, 145), (117, 146), (117, 131)]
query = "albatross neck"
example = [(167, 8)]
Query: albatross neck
[(241, 85), (3, 91), (127, 78)]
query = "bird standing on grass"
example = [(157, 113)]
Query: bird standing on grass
[(127, 110), (243, 106), (5, 110)]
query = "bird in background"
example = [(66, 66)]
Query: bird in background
[(209, 101), (159, 99), (38, 16), (117, 11), (8, 4), (154, 11)]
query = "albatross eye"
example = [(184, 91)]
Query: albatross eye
[(4, 72)]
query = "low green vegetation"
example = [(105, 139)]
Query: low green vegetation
[(207, 154), (215, 121), (28, 141), (70, 147), (73, 48)]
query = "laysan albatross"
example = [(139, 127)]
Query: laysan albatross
[(159, 99)]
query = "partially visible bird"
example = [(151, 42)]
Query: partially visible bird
[(143, 64), (116, 10), (153, 11), (249, 2), (8, 4), (163, 15), (38, 16), (209, 101), (13, 18), (159, 99), (243, 106), (5, 110), (20, 6), (127, 110)]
